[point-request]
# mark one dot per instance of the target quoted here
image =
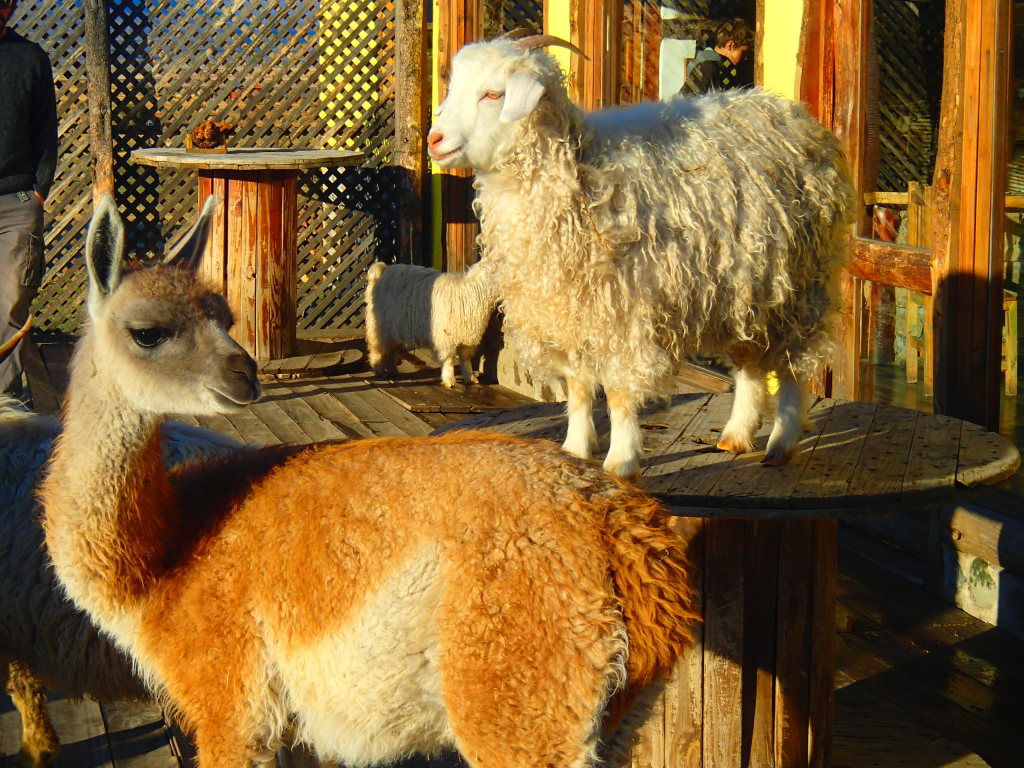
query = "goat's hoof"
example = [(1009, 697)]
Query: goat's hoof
[(776, 458), (628, 469), (449, 383), (733, 444)]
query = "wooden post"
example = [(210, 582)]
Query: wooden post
[(97, 66), (411, 99), (596, 29), (970, 177), (459, 23)]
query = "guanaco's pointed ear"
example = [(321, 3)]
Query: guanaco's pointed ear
[(104, 253), (188, 251), (522, 92)]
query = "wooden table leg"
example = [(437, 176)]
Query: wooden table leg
[(252, 257), (757, 689)]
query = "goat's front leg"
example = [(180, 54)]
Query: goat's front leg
[(448, 371), (626, 447), (745, 418), (790, 417), (581, 438)]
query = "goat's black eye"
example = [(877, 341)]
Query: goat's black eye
[(150, 337)]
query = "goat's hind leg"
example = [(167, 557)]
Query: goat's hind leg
[(627, 442), (790, 418), (745, 418), (581, 437)]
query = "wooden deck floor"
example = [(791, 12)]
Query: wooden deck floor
[(919, 684)]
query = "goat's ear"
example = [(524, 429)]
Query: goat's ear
[(188, 251), (104, 253), (522, 92)]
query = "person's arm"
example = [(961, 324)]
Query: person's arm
[(45, 134)]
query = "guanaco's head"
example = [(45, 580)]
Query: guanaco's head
[(159, 336)]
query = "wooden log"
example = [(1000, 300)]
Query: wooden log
[(892, 264), (97, 64), (411, 100), (459, 23)]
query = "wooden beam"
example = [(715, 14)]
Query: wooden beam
[(892, 264), (97, 66), (596, 29), (411, 99), (460, 22), (969, 191)]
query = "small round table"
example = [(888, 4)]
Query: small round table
[(758, 689), (252, 254)]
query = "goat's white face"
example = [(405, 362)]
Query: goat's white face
[(488, 94), (158, 332)]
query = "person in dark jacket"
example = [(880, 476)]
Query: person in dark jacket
[(28, 161), (716, 68)]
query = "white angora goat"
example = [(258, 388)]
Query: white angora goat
[(409, 307), (630, 239), (45, 641)]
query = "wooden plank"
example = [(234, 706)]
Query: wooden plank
[(138, 736), (984, 458), (701, 465), (662, 430), (833, 462), (251, 428), (892, 264), (79, 725), (278, 422), (434, 398), (351, 395), (327, 407), (822, 649), (761, 587), (723, 643), (881, 470), (774, 486), (218, 423), (316, 427), (932, 462), (684, 692), (793, 642)]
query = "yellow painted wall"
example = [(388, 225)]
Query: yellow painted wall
[(781, 42)]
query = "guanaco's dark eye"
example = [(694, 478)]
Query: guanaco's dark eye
[(150, 337)]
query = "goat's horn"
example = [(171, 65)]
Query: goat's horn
[(8, 346), (539, 41), (515, 34)]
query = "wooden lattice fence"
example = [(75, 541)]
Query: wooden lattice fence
[(299, 74)]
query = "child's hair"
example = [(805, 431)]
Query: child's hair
[(737, 30)]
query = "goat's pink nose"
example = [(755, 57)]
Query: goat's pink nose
[(434, 138)]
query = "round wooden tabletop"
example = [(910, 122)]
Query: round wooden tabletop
[(855, 459), (248, 159)]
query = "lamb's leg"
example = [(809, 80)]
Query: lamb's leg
[(626, 447), (581, 438), (790, 417), (466, 363), (738, 433), (39, 742), (448, 371)]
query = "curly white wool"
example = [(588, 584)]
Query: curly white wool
[(408, 307), (630, 239)]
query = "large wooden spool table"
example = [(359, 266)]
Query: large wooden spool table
[(757, 692), (252, 254)]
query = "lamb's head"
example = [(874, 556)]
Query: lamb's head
[(495, 87), (157, 335)]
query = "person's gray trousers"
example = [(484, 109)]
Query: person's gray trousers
[(21, 272)]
